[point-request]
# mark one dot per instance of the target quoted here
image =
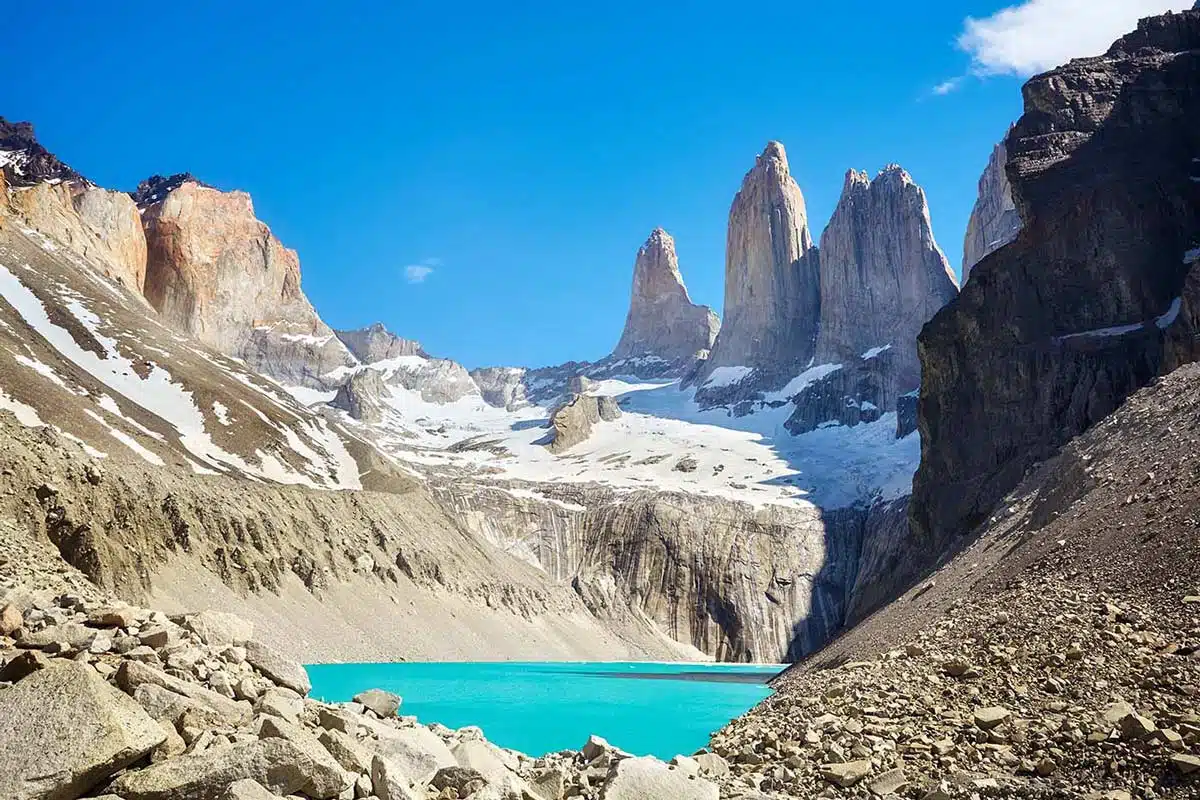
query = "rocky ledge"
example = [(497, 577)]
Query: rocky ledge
[(110, 701)]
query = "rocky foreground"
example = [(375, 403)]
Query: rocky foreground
[(110, 701)]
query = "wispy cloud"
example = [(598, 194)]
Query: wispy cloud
[(417, 273), (946, 87), (1037, 35)]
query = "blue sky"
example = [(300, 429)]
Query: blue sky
[(479, 175)]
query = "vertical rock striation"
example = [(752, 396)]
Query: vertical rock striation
[(217, 273), (882, 274), (994, 220), (662, 319), (1091, 301), (772, 280)]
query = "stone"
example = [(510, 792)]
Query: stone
[(991, 717), (417, 751), (572, 422), (276, 764), (72, 635), (662, 320), (11, 620), (283, 671), (846, 774), (712, 765), (156, 637), (389, 780), (650, 779), (114, 617), (281, 702), (889, 782), (772, 281), (385, 704), (326, 776), (595, 747), (551, 784), (23, 664), (247, 789), (454, 778), (346, 751), (332, 719), (219, 629), (48, 754), (132, 674), (164, 704), (1186, 763), (1135, 726), (994, 220)]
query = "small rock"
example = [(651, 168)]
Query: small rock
[(1186, 764), (11, 620), (385, 704), (846, 774), (988, 718)]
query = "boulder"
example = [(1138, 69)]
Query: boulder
[(846, 774), (327, 778), (276, 764), (390, 781), (385, 704), (22, 665), (247, 789), (48, 753), (11, 620), (219, 629), (133, 674), (283, 671), (650, 779), (417, 751), (346, 751)]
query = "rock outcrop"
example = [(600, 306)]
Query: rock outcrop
[(1055, 330), (25, 162), (572, 422), (502, 387), (215, 272), (362, 396), (994, 220), (772, 279), (663, 322), (376, 343), (882, 274)]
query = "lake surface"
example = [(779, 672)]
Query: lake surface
[(538, 708)]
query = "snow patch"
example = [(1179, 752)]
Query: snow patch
[(26, 415), (875, 351), (727, 376), (801, 382)]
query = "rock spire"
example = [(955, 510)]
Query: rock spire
[(994, 220)]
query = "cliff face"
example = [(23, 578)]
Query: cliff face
[(216, 273), (882, 274), (662, 319), (994, 220), (376, 343), (772, 281), (1092, 299)]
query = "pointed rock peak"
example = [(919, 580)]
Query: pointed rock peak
[(855, 179), (662, 319), (157, 187), (775, 151), (24, 161)]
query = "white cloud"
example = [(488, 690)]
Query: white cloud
[(1038, 35), (417, 273), (946, 87)]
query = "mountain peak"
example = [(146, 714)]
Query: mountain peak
[(24, 161), (662, 319), (376, 343), (157, 187)]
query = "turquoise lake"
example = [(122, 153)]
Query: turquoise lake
[(539, 708)]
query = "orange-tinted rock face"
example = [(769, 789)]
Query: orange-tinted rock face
[(217, 273)]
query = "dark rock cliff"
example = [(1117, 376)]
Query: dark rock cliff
[(1089, 302)]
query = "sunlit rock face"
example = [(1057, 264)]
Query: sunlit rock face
[(217, 273), (662, 319), (882, 274), (772, 282), (994, 220)]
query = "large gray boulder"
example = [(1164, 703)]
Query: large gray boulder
[(276, 764), (327, 778), (417, 751), (283, 671), (663, 321), (63, 730), (218, 628), (651, 779), (572, 423), (133, 674)]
